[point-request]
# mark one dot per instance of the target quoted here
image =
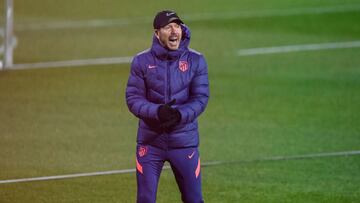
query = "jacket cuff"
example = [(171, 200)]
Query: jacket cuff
[(153, 112), (184, 115)]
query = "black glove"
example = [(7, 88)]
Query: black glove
[(170, 124), (168, 116), (166, 112)]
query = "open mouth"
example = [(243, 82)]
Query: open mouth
[(173, 40)]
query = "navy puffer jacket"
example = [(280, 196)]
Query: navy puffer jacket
[(159, 75)]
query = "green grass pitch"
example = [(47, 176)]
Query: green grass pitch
[(71, 120)]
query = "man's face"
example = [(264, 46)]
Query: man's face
[(169, 36)]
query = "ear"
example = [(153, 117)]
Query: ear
[(156, 32)]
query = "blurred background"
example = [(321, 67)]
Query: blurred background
[(284, 80)]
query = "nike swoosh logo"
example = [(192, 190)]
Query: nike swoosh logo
[(150, 66), (169, 14), (191, 155)]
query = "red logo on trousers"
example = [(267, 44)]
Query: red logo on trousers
[(142, 151)]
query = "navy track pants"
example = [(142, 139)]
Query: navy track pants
[(185, 164)]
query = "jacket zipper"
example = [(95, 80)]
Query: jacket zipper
[(168, 82), (167, 94)]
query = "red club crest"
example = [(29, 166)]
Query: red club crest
[(183, 66), (142, 151)]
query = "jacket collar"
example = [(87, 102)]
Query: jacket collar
[(164, 54)]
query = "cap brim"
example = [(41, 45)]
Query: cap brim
[(175, 20)]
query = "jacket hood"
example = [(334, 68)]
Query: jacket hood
[(165, 54)]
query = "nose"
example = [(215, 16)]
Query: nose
[(173, 29)]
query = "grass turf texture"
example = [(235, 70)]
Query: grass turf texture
[(74, 120), (310, 180)]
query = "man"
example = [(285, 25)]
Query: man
[(167, 90)]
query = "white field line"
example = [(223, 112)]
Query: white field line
[(284, 158), (206, 164), (241, 52), (297, 48), (273, 12), (187, 17), (80, 62), (195, 17), (73, 24)]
